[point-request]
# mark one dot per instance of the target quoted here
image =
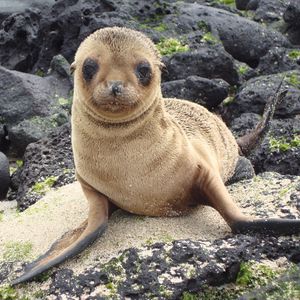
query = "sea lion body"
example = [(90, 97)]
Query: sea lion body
[(149, 167), (142, 153)]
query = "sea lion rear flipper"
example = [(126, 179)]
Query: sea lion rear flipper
[(268, 226), (216, 195), (253, 139), (74, 241)]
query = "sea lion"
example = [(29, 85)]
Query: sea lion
[(139, 152)]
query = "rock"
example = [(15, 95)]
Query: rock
[(50, 157), (292, 14), (169, 270), (269, 11), (34, 36), (61, 66), (31, 106), (206, 92), (286, 284), (209, 62), (244, 123), (291, 17), (278, 60), (241, 4), (245, 40), (253, 4), (4, 175), (253, 95), (19, 40), (4, 139), (280, 151)]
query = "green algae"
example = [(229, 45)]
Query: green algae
[(14, 251), (44, 186), (171, 46)]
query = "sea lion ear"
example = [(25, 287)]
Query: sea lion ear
[(72, 67)]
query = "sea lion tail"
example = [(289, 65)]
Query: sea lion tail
[(252, 140)]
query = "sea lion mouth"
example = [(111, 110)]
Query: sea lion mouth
[(115, 104)]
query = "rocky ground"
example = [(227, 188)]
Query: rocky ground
[(229, 58)]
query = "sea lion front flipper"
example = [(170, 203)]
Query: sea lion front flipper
[(216, 195), (74, 241)]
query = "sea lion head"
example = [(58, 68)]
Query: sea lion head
[(117, 73)]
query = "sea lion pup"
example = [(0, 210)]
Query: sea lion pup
[(139, 152)]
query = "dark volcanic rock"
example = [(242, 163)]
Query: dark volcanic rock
[(291, 17), (279, 60), (29, 40), (30, 106), (206, 92), (280, 150), (51, 156), (19, 40), (4, 139), (244, 123), (166, 271), (4, 176), (292, 13), (209, 62), (241, 4), (253, 4), (269, 11), (245, 40), (253, 95)]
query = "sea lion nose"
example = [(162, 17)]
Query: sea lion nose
[(116, 87)]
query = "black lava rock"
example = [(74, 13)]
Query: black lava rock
[(209, 93), (30, 106), (270, 11), (4, 176), (50, 156), (278, 60), (253, 95), (170, 270), (245, 40), (209, 62)]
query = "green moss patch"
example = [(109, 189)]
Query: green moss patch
[(210, 38), (44, 186), (293, 79), (171, 46), (253, 275), (14, 251), (8, 293), (226, 2), (294, 54), (283, 144), (243, 69)]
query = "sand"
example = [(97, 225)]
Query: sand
[(65, 208)]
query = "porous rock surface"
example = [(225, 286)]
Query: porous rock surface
[(51, 156), (30, 105)]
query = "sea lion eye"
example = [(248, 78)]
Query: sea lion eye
[(143, 73), (89, 69)]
